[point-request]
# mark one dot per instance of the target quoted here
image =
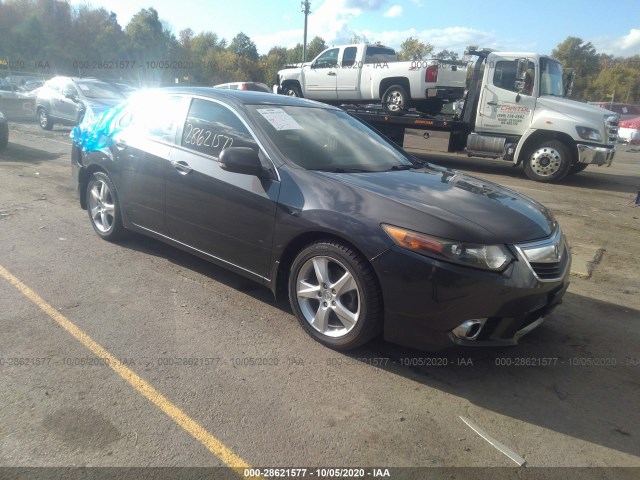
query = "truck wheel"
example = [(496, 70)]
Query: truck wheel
[(430, 107), (548, 161), (577, 168), (395, 99), (292, 91)]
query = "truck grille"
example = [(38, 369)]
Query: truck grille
[(611, 129)]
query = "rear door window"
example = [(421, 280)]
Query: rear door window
[(211, 127)]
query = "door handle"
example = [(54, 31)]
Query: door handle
[(493, 104), (182, 167), (333, 74)]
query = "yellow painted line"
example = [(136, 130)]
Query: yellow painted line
[(211, 443)]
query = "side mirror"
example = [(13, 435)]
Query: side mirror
[(568, 84), (242, 160), (521, 72)]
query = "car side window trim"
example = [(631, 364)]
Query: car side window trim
[(183, 119)]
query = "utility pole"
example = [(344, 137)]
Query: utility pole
[(306, 5)]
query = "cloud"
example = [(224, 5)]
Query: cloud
[(625, 46), (394, 11), (366, 5)]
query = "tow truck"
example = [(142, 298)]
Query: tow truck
[(515, 109)]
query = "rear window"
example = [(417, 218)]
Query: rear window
[(380, 55)]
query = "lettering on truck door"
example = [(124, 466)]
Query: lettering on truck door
[(503, 109)]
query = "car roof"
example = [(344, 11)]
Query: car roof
[(245, 97)]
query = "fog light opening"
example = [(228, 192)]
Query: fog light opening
[(469, 329)]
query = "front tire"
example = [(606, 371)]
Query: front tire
[(104, 208), (395, 99), (548, 161), (292, 91), (577, 168), (335, 295), (44, 120)]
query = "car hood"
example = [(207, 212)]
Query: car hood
[(453, 205)]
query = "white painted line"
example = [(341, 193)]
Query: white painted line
[(57, 141), (496, 444)]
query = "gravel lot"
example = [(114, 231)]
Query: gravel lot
[(151, 306)]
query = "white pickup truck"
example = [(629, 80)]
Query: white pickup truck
[(366, 73)]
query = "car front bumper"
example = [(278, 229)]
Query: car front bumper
[(595, 155), (426, 299)]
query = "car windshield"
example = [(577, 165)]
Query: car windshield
[(328, 140), (551, 78), (100, 91)]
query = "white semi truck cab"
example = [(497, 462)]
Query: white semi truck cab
[(516, 109)]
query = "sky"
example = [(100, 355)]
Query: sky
[(537, 25)]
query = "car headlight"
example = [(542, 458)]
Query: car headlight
[(488, 257), (587, 133)]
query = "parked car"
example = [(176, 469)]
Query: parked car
[(253, 86), (314, 204), (7, 89), (625, 111), (4, 131), (67, 100), (629, 131)]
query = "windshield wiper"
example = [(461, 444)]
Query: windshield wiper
[(405, 167)]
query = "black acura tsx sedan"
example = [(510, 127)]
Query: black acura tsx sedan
[(362, 237)]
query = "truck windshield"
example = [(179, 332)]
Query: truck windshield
[(328, 140), (551, 78)]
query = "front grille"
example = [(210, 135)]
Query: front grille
[(548, 259), (611, 129), (549, 271)]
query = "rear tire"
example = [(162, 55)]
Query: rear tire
[(395, 100), (547, 161), (335, 295)]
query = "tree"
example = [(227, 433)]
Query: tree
[(146, 34), (294, 55), (315, 46), (414, 49), (574, 53), (618, 78), (447, 55), (242, 46)]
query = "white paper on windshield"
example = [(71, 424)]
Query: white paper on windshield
[(83, 87), (280, 119)]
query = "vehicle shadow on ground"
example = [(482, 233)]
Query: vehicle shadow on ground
[(591, 178), (578, 374), (189, 261), (22, 154)]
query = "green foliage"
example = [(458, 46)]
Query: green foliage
[(51, 37), (414, 49)]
